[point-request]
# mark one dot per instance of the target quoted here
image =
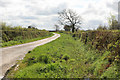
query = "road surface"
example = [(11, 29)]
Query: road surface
[(10, 55)]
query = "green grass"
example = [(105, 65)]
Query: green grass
[(65, 57), (21, 41)]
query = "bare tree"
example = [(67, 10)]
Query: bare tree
[(69, 17), (57, 27)]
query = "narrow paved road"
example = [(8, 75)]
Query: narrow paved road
[(10, 55)]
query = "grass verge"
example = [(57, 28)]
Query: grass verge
[(65, 57)]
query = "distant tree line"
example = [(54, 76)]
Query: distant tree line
[(4, 26), (112, 24), (71, 21)]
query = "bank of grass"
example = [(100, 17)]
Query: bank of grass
[(18, 35), (65, 57), (22, 41)]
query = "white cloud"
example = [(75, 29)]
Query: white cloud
[(43, 13)]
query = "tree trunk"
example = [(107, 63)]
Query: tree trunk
[(73, 29)]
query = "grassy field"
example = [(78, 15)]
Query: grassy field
[(66, 57)]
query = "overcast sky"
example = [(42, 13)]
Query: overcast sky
[(43, 13)]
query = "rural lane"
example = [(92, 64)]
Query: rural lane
[(11, 54)]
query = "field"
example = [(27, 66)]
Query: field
[(66, 57)]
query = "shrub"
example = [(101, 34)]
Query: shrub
[(44, 58), (66, 57), (102, 40)]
